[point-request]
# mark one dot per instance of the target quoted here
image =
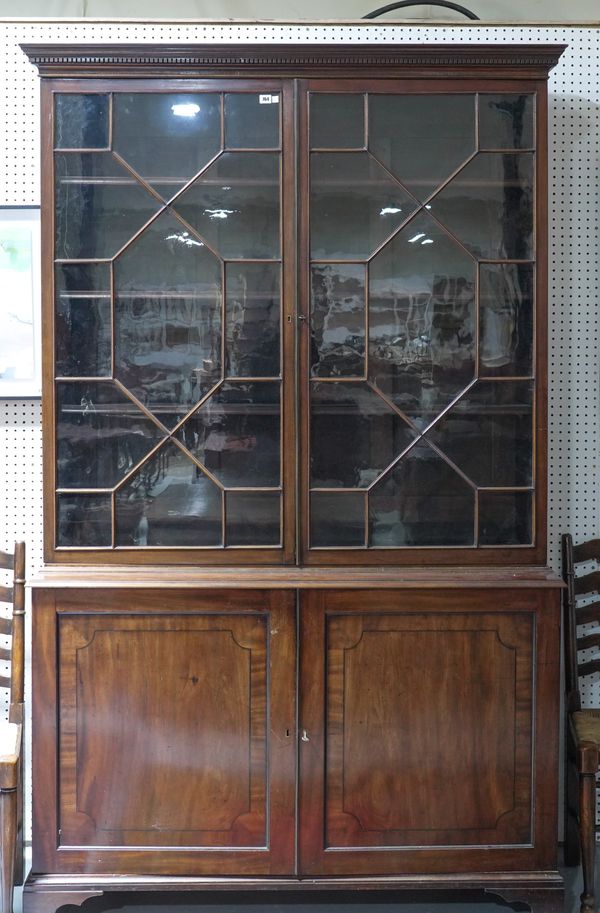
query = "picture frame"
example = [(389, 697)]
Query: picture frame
[(20, 302)]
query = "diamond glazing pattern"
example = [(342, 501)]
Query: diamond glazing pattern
[(420, 390), (163, 238)]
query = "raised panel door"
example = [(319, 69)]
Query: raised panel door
[(176, 734), (420, 721)]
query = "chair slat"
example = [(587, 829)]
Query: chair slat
[(6, 594), (587, 551), (589, 641), (589, 668), (5, 655), (4, 681), (587, 583), (7, 560), (6, 626), (587, 613)]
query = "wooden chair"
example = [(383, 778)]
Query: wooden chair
[(583, 726), (11, 731)]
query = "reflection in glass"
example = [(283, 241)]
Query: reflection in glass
[(253, 316), (422, 320), (506, 121), (169, 502), (81, 121), (355, 205), (234, 205), (83, 320), (235, 434), (337, 519), (337, 121), (422, 502), (168, 290), (506, 319), (252, 122), (505, 517), (489, 433), (421, 147), (355, 435), (337, 319), (166, 135), (84, 521), (253, 517), (99, 205), (489, 206), (83, 277), (101, 434)]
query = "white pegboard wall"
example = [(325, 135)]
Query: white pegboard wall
[(574, 208), (21, 469), (574, 389)]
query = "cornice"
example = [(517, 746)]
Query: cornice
[(289, 59)]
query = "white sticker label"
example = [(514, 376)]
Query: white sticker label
[(275, 99), (264, 99)]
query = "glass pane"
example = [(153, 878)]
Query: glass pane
[(489, 433), (83, 320), (167, 138), (505, 517), (253, 317), (99, 206), (252, 121), (101, 435), (84, 521), (337, 121), (338, 320), (419, 145), (235, 434), (253, 517), (506, 122), (422, 502), (422, 321), (355, 205), (83, 277), (168, 317), (169, 502), (234, 205), (81, 121), (337, 519), (355, 435), (506, 319), (489, 206)]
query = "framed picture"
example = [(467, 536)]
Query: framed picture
[(20, 318)]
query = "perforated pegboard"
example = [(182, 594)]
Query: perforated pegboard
[(574, 211), (574, 387)]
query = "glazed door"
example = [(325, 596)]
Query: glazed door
[(175, 722), (171, 273), (419, 731), (421, 414)]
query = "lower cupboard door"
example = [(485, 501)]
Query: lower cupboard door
[(176, 734), (422, 748)]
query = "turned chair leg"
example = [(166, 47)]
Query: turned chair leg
[(8, 837), (587, 833)]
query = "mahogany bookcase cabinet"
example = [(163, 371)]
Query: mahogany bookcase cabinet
[(295, 628)]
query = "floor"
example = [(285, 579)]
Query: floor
[(377, 903)]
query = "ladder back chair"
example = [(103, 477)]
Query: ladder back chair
[(582, 725), (12, 566)]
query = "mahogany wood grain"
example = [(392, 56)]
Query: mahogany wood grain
[(419, 710), (90, 577), (171, 735), (473, 60)]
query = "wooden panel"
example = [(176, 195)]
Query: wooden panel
[(425, 739), (174, 753)]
